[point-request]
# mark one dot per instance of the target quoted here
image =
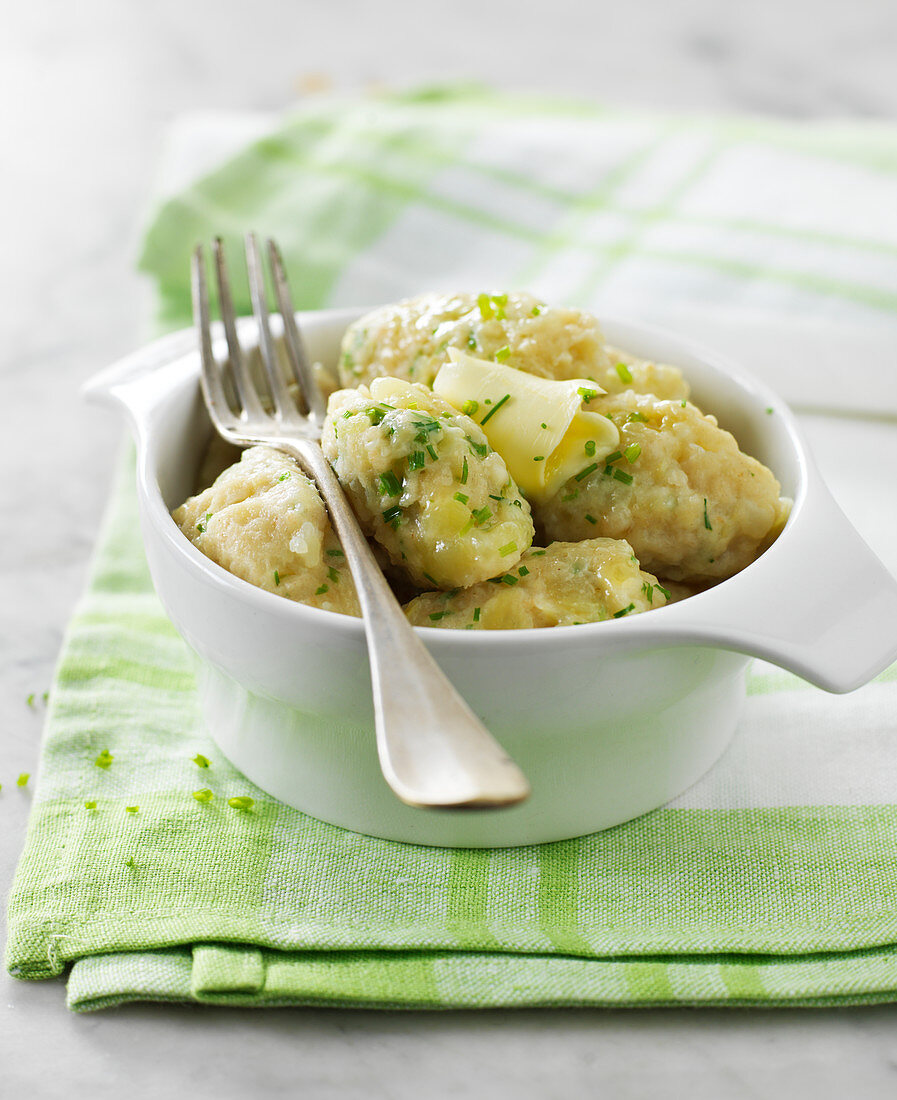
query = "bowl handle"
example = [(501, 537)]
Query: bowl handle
[(818, 603), (140, 380)]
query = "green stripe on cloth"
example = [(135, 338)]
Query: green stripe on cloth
[(708, 901)]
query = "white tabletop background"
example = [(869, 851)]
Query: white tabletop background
[(87, 90)]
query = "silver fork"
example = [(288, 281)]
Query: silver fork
[(433, 750)]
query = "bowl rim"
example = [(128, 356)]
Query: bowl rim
[(626, 633)]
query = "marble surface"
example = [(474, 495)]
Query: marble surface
[(88, 91)]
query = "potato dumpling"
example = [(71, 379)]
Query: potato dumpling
[(565, 584), (692, 505), (423, 480), (410, 339), (263, 520), (628, 372)]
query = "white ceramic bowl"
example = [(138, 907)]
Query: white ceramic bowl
[(607, 720)]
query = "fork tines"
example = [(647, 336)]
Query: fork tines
[(232, 395)]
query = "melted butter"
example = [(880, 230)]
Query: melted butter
[(541, 430)]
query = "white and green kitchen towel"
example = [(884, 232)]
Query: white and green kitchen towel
[(772, 881)]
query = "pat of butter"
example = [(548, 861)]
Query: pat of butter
[(542, 428)]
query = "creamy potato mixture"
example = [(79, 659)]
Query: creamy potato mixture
[(629, 495), (564, 584)]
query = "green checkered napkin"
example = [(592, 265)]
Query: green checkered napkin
[(773, 881)]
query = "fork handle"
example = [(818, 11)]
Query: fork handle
[(434, 751)]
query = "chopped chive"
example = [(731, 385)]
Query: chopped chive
[(432, 580), (492, 496), (769, 411), (508, 579), (276, 577), (591, 519), (624, 611), (374, 414), (536, 553), (648, 589), (201, 761), (632, 452), (284, 475), (435, 616), (389, 484), (480, 449), (417, 460), (471, 341), (706, 517), (613, 457), (637, 416), (481, 515), (621, 475), (572, 495), (335, 554), (476, 614), (523, 571), (241, 802), (392, 516), (30, 700), (536, 310), (104, 759), (322, 589), (485, 304), (587, 394), (544, 426), (22, 781), (131, 809), (470, 407), (508, 548), (462, 497), (538, 458), (203, 795), (348, 413), (585, 472), (90, 804), (665, 591), (467, 526), (503, 354), (425, 427), (625, 374), (590, 447), (333, 575), (45, 695), (495, 408), (464, 471), (683, 402), (431, 451)]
